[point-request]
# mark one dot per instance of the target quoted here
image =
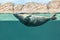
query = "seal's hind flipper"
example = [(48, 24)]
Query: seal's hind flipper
[(53, 17)]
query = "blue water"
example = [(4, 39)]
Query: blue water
[(12, 29)]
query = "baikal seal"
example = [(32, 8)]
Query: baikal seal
[(33, 20)]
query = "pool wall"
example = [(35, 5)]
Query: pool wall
[(12, 29)]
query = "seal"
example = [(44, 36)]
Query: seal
[(33, 20)]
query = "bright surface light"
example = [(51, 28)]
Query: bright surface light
[(24, 1)]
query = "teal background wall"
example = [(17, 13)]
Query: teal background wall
[(12, 29)]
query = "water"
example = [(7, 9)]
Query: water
[(12, 29)]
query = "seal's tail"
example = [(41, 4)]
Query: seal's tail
[(53, 17)]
